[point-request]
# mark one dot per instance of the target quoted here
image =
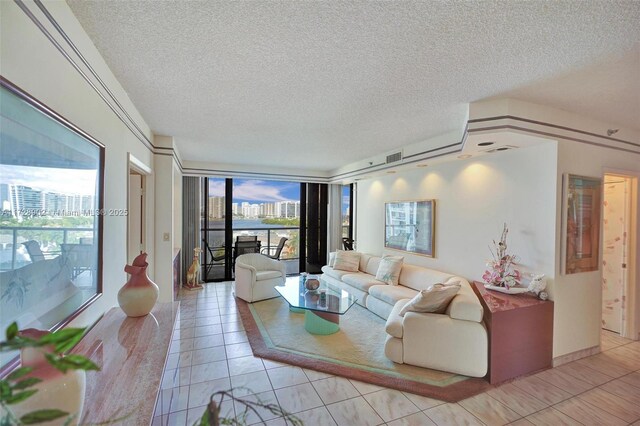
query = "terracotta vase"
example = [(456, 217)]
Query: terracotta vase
[(139, 295), (63, 391)]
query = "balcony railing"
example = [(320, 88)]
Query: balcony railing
[(268, 237), (14, 255)]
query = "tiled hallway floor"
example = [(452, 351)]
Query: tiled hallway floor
[(210, 352)]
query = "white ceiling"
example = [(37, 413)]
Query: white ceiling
[(318, 85)]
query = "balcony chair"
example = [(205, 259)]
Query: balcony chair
[(278, 249), (33, 248), (212, 256), (347, 243), (256, 277)]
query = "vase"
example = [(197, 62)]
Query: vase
[(139, 295), (312, 283), (57, 390)]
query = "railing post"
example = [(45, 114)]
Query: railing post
[(269, 241), (14, 250)]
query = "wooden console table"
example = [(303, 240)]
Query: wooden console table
[(520, 328), (131, 353)]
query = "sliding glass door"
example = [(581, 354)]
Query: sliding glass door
[(259, 214)]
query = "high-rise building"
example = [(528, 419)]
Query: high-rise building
[(216, 207), (25, 200)]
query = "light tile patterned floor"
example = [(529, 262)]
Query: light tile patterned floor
[(210, 352)]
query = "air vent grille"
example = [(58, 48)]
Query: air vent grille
[(500, 148), (394, 157)]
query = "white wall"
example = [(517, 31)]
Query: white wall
[(30, 61), (474, 198), (578, 297)]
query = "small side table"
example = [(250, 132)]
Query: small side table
[(520, 328)]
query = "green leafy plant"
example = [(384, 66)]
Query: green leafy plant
[(20, 386), (211, 417)]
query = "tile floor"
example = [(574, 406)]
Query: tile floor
[(210, 352)]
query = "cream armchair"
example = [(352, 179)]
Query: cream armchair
[(257, 275)]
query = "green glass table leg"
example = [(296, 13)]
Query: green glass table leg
[(321, 323)]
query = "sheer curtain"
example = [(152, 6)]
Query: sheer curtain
[(334, 231)]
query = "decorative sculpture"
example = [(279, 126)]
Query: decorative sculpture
[(139, 295), (193, 274), (538, 285)]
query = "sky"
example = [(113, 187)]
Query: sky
[(61, 181), (256, 191)]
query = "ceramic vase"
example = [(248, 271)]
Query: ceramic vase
[(62, 391), (312, 283), (139, 295)]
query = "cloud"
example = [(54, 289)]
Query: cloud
[(252, 190), (255, 190), (62, 181)]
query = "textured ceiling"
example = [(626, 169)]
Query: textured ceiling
[(318, 85)]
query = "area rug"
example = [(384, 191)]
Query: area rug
[(356, 351)]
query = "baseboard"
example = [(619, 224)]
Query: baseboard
[(574, 356)]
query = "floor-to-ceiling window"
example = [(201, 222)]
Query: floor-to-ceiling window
[(269, 210), (245, 209), (347, 204)]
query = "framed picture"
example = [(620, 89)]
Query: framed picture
[(581, 223), (51, 214), (410, 226)]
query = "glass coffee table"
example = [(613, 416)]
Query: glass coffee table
[(321, 314)]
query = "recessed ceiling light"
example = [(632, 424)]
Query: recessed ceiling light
[(422, 165), (485, 143), (464, 156), (504, 148)]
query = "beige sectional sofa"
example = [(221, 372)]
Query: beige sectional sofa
[(455, 341)]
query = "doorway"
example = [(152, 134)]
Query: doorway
[(135, 215), (618, 252)]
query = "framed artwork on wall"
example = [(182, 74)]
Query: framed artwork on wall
[(410, 226), (581, 205), (51, 215)]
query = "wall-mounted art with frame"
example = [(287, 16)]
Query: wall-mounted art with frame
[(581, 223), (51, 215), (410, 226)]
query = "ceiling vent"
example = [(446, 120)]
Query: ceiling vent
[(500, 148), (393, 158)]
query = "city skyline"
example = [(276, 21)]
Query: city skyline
[(49, 179)]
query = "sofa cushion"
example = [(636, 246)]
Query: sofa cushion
[(332, 259), (334, 273), (391, 293), (267, 275), (361, 281), (372, 265), (394, 321), (389, 269), (419, 278), (364, 260), (435, 300), (347, 261)]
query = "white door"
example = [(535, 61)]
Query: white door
[(615, 231)]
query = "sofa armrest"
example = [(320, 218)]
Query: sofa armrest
[(394, 325), (245, 273), (466, 307)]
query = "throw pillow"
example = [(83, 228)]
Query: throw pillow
[(347, 261), (389, 269), (435, 300), (332, 259)]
